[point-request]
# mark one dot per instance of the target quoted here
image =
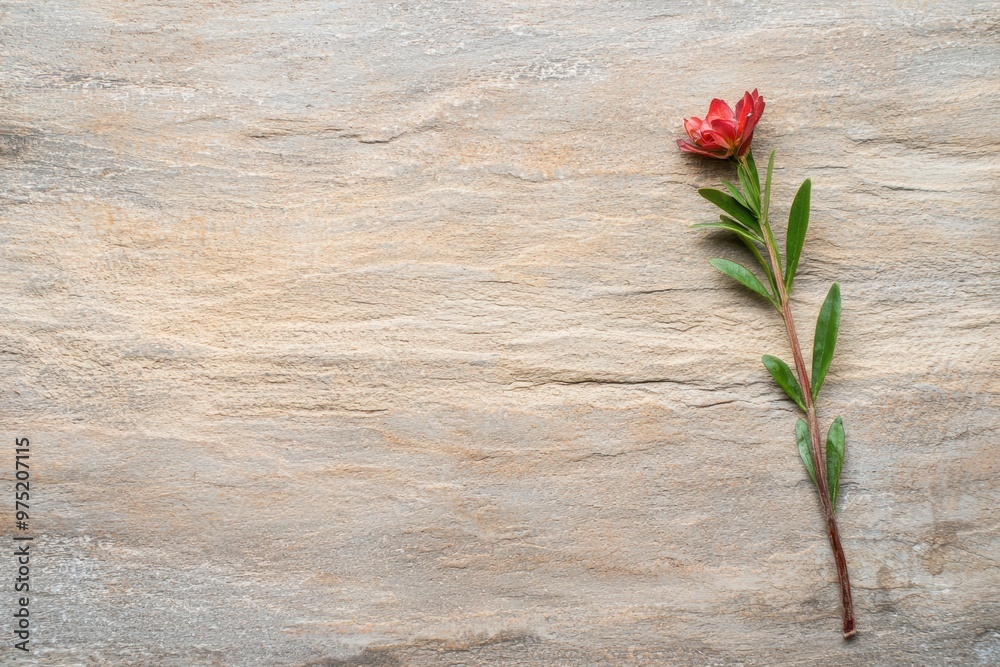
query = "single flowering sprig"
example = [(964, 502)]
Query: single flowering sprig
[(726, 134)]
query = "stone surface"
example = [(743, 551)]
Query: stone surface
[(372, 333)]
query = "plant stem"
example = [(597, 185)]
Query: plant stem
[(818, 452)]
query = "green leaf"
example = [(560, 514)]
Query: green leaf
[(827, 325), (733, 227), (726, 218), (736, 223), (805, 452), (752, 247), (750, 189), (765, 207), (752, 166), (834, 458), (742, 275), (765, 224), (732, 207), (734, 191), (782, 374), (798, 222)]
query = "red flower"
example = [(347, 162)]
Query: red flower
[(724, 134)]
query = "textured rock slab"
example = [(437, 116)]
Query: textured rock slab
[(372, 333)]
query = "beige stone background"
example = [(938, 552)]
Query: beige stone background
[(372, 333)]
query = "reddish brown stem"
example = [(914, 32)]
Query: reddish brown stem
[(819, 464), (818, 452)]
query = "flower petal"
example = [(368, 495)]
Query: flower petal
[(687, 146), (725, 131), (743, 108), (719, 110), (712, 142), (758, 111), (693, 127), (745, 146)]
